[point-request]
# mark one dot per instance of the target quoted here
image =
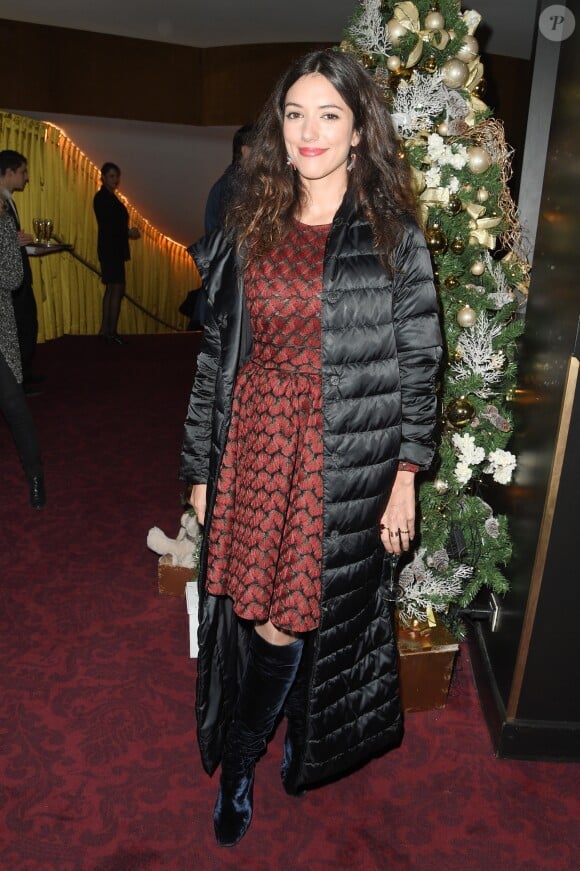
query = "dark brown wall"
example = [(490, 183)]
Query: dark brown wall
[(53, 69)]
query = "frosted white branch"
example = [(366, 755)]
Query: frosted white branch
[(418, 101), (422, 588), (369, 32), (457, 106), (502, 294), (479, 356)]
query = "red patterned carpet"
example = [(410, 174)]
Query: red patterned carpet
[(99, 769)]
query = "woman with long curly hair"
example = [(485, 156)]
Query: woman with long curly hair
[(312, 409)]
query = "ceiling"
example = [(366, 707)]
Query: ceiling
[(508, 27)]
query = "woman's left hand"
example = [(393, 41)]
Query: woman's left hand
[(397, 525)]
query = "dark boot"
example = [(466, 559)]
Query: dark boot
[(269, 674), (294, 711)]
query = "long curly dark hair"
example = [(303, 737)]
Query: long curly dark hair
[(269, 193)]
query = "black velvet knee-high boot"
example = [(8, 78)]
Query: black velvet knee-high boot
[(269, 674), (294, 711)]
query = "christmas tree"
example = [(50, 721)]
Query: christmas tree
[(425, 58)]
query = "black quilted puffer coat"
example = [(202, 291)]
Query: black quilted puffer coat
[(381, 347)]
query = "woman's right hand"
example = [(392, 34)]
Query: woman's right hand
[(197, 500)]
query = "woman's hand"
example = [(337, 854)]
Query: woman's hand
[(197, 500), (397, 525), (24, 238)]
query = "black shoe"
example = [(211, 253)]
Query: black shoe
[(112, 338), (37, 491)]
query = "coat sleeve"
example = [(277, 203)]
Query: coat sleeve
[(197, 435), (419, 346), (11, 272)]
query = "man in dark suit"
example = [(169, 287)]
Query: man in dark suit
[(218, 200), (221, 192), (112, 248), (14, 177)]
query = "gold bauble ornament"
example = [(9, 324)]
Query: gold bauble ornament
[(457, 355), (346, 46), (460, 412), (454, 205), (457, 245), (480, 88), (395, 31), (468, 50), (368, 61), (478, 267), (478, 159), (443, 129), (434, 21), (397, 77), (394, 63), (451, 282), (429, 65), (482, 195), (454, 73), (466, 316), (441, 486), (436, 239)]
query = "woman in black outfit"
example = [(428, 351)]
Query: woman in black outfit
[(312, 409), (112, 248)]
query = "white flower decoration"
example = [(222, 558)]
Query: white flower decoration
[(503, 475), (468, 451), (463, 472), (457, 157), (433, 177), (501, 465), (436, 147)]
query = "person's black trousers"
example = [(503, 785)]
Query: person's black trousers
[(15, 409), (27, 325)]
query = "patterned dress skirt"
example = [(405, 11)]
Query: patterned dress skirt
[(265, 539)]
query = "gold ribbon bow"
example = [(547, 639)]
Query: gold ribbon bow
[(479, 231), (407, 15)]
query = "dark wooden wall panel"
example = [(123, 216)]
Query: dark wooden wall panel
[(55, 69), (237, 79), (81, 73)]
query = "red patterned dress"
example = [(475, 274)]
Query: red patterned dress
[(265, 540)]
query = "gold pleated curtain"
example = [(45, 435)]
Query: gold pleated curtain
[(63, 182)]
